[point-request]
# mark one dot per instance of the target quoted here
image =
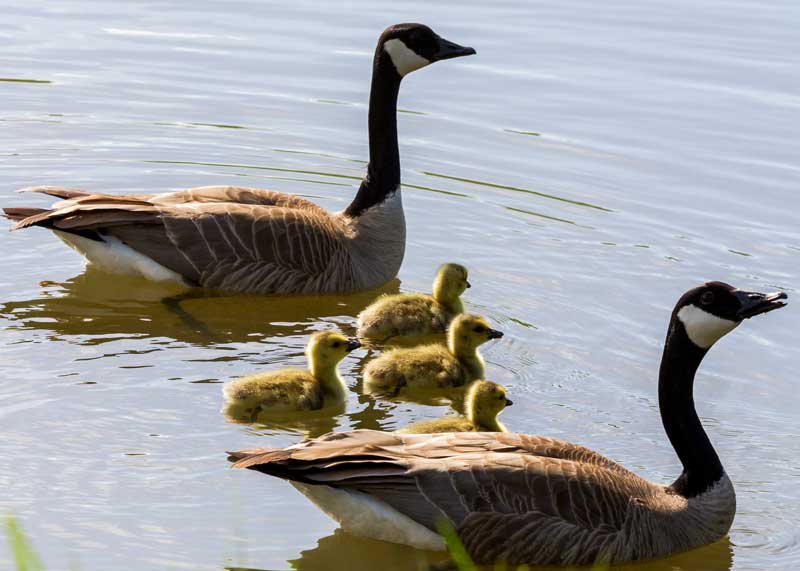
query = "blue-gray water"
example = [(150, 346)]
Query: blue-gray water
[(592, 162)]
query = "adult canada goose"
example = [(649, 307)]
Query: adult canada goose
[(259, 241), (294, 389), (413, 314), (434, 366), (529, 499), (485, 400)]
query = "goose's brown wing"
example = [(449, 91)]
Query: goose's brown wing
[(511, 497), (245, 240), (246, 247), (200, 194)]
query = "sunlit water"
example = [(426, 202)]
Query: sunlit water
[(591, 163)]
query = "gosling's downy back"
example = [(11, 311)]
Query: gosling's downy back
[(416, 314)]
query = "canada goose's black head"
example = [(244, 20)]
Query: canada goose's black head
[(412, 46), (710, 311)]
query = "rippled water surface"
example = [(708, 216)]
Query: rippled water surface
[(592, 162)]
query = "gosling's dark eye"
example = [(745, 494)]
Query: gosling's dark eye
[(501, 397), (707, 298), (336, 344), (479, 329)]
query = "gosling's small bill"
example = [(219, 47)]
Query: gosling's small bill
[(416, 314), (485, 401), (293, 389), (434, 366)]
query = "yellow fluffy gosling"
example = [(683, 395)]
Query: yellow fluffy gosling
[(296, 389), (413, 314), (434, 366), (485, 400)]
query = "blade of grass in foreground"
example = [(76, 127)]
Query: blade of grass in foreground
[(24, 555), (461, 559)]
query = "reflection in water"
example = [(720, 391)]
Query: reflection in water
[(715, 557), (309, 424), (517, 189), (95, 305), (342, 550), (453, 397)]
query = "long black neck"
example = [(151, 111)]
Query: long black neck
[(383, 171), (701, 465)]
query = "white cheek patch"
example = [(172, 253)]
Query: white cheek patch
[(703, 328), (405, 60)]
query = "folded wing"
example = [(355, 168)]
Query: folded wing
[(234, 238), (510, 497)]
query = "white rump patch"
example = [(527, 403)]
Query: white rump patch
[(405, 59), (703, 328), (363, 515), (112, 255)]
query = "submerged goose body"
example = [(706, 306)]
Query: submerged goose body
[(530, 499), (434, 366), (290, 389), (484, 401), (416, 314), (253, 240)]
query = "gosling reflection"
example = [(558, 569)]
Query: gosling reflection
[(95, 304), (307, 425)]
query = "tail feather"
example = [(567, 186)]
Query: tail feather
[(22, 213), (238, 455), (57, 191), (36, 216)]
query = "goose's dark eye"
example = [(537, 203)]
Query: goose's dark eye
[(479, 329), (336, 344), (707, 298)]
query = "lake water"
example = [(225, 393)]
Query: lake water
[(591, 163)]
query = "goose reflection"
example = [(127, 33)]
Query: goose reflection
[(341, 550), (88, 308)]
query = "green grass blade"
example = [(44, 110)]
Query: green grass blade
[(24, 555), (454, 546)]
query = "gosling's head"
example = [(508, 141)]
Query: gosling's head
[(450, 283), (467, 331), (327, 348), (714, 309), (485, 400), (410, 47)]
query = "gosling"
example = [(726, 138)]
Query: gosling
[(485, 400), (294, 389), (415, 314), (434, 366)]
